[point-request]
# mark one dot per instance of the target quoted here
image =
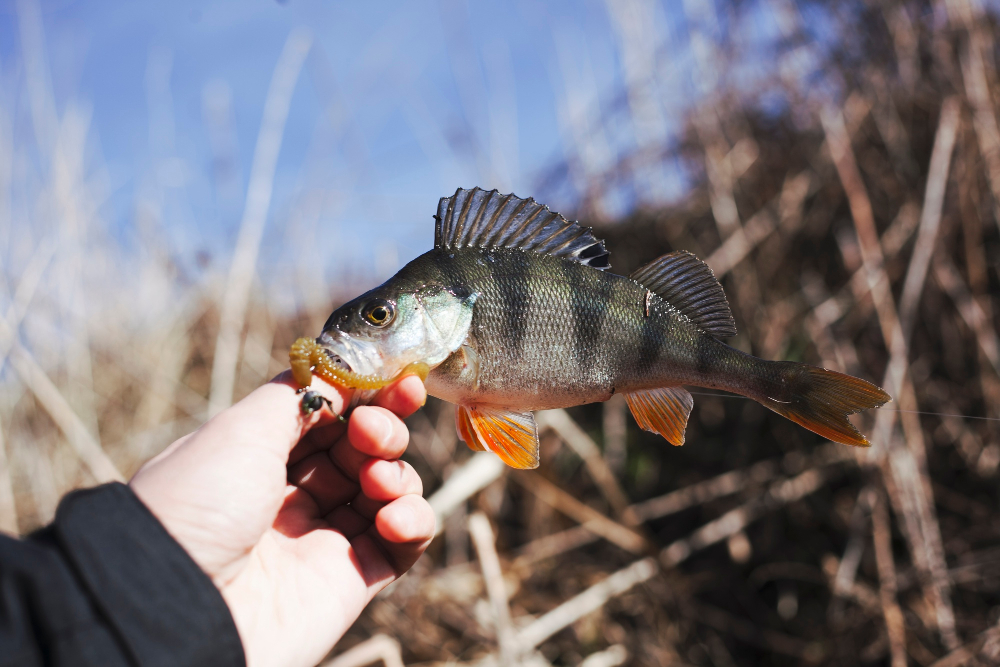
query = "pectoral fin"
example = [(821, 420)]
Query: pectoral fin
[(510, 435), (465, 432), (664, 410)]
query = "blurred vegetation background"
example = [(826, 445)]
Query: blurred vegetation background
[(837, 164)]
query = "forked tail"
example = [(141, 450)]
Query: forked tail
[(818, 399)]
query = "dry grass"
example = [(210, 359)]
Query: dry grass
[(854, 224)]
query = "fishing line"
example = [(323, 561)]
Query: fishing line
[(944, 414), (912, 412)]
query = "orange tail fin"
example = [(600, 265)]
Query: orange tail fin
[(820, 400)]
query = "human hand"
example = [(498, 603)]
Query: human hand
[(299, 520)]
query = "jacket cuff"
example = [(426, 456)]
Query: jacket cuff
[(164, 607)]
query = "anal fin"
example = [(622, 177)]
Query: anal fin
[(510, 435), (663, 410)]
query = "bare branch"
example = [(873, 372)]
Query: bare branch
[(894, 623), (8, 509), (378, 648), (907, 459), (587, 516), (258, 201), (476, 474), (589, 600), (950, 280), (51, 399), (986, 646), (612, 656), (736, 520), (581, 443), (930, 218), (482, 538)]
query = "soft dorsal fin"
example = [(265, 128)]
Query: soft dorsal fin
[(479, 219), (687, 284)]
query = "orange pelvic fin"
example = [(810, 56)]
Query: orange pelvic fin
[(820, 400), (510, 435), (663, 410), (465, 432)]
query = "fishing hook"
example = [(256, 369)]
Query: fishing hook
[(313, 401)]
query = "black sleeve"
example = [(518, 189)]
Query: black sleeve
[(105, 584)]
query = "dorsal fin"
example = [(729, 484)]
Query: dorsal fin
[(687, 284), (479, 219)]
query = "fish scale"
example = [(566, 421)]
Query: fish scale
[(534, 362), (514, 311)]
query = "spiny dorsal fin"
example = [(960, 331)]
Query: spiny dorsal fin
[(479, 219), (687, 284)]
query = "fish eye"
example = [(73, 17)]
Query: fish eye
[(379, 312)]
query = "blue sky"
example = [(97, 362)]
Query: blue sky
[(397, 105)]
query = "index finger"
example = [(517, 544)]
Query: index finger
[(401, 398), (271, 416)]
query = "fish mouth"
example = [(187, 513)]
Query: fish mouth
[(349, 356), (341, 360), (335, 359)]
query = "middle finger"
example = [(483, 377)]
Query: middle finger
[(371, 432), (327, 484), (381, 483)]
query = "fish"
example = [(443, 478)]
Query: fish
[(514, 310)]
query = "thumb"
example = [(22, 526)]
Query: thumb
[(268, 421), (217, 490), (271, 417)]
